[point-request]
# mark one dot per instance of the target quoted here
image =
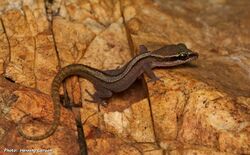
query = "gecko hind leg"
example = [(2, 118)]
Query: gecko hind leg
[(67, 103), (143, 49), (152, 77)]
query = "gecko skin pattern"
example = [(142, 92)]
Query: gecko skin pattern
[(113, 81)]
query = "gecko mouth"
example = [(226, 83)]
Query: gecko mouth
[(193, 56), (173, 61), (188, 57)]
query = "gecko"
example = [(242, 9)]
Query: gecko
[(114, 81)]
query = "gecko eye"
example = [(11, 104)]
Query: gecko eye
[(183, 55)]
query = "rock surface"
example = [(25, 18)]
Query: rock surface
[(200, 108)]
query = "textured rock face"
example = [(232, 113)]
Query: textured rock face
[(200, 108)]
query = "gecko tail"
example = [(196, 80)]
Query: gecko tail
[(57, 111), (56, 119), (38, 137), (74, 69)]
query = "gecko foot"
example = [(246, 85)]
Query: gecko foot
[(96, 99), (154, 80), (103, 103)]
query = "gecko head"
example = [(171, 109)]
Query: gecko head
[(172, 55)]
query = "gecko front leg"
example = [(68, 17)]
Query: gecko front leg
[(149, 72)]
